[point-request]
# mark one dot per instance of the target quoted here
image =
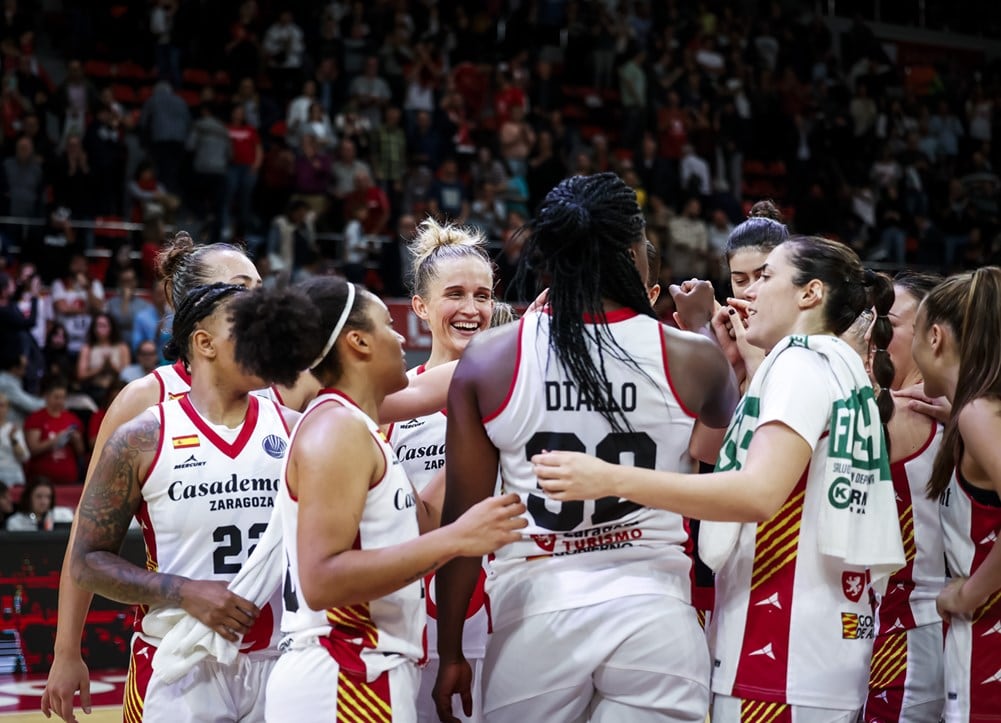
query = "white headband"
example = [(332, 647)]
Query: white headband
[(337, 327)]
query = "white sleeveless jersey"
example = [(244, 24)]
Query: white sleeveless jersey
[(174, 380), (581, 553), (973, 642), (374, 636), (420, 446), (911, 591), (206, 501)]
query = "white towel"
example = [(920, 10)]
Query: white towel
[(186, 640), (853, 522)]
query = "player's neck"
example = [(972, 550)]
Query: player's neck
[(360, 389), (217, 406)]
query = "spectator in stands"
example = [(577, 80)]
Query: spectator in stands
[(15, 327), (24, 178), (654, 170), (291, 241), (545, 170), (449, 201), (146, 361), (356, 246), (694, 173), (689, 246), (73, 180), (516, 141), (370, 92), (243, 51), (32, 128), (487, 212), (318, 124), (285, 49), (165, 120), (331, 86), (102, 358), (633, 96), (94, 423), (13, 107), (345, 169), (57, 358), (21, 403), (152, 322), (37, 512), (167, 50), (298, 112), (125, 306), (211, 153), (421, 83), (55, 437), (313, 174), (104, 143), (75, 297), (241, 176), (389, 155), (75, 98), (149, 197), (13, 447), (425, 142)]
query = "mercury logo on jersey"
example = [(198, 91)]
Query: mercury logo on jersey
[(191, 461), (274, 446), (412, 424)]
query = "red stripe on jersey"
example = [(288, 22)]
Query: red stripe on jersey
[(278, 394), (667, 373), (514, 378), (358, 700), (159, 448), (762, 670), (140, 672), (182, 372), (162, 385), (230, 450)]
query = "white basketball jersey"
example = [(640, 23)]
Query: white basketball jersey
[(420, 446), (973, 642), (374, 636), (174, 380), (208, 497), (911, 590), (581, 553)]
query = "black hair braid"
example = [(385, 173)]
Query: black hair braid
[(881, 296), (581, 237), (197, 304)]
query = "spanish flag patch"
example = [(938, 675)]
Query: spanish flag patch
[(190, 440)]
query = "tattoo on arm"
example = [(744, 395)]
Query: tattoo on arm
[(108, 504)]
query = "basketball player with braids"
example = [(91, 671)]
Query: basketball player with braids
[(200, 473), (906, 677), (957, 347), (804, 470), (452, 286), (591, 608), (354, 611)]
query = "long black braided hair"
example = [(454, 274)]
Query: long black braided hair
[(197, 304), (581, 239)]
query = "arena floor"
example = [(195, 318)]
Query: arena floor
[(21, 695)]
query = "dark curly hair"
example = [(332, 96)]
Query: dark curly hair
[(280, 332), (581, 237)]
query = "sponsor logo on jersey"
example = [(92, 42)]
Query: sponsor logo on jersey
[(990, 539), (175, 395), (188, 440), (772, 601), (852, 584), (996, 630), (546, 542), (185, 491), (767, 651), (191, 461), (856, 627), (412, 424), (403, 500), (406, 453), (996, 678), (274, 446)]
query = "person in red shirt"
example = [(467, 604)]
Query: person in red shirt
[(374, 199), (54, 437), (241, 176)]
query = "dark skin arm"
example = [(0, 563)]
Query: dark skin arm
[(108, 504), (703, 379), (471, 473)]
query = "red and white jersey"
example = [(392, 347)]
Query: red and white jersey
[(581, 553), (971, 522), (792, 625), (374, 636), (174, 380), (420, 446), (911, 591), (209, 495)]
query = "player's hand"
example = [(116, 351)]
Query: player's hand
[(938, 408), (67, 675), (951, 601), (455, 678), (212, 603), (573, 476), (489, 525), (695, 302)]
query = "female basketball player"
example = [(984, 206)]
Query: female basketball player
[(183, 266), (200, 472), (957, 346), (354, 604), (906, 676), (452, 286), (792, 626), (590, 609)]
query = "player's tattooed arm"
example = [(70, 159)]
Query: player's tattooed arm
[(107, 507)]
